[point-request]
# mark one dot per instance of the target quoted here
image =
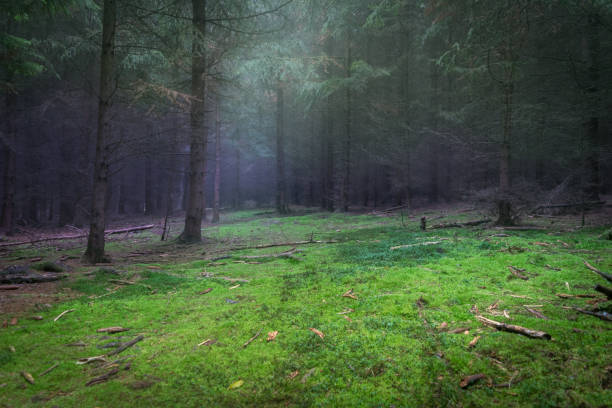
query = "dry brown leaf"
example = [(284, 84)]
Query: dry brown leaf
[(13, 321), (349, 294), (474, 341), (294, 374), (317, 332), (28, 377), (272, 335), (205, 291), (443, 326), (347, 318), (470, 379)]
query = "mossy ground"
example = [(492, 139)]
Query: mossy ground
[(388, 352)]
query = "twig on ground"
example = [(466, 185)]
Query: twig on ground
[(252, 339), (62, 314), (534, 334)]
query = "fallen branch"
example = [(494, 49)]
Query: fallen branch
[(62, 314), (604, 275), (102, 378), (388, 210), (418, 244), (9, 287), (534, 334), (286, 254), (604, 290), (516, 272), (111, 330), (252, 339), (87, 360), (76, 236), (125, 346), (578, 296), (48, 370), (537, 314), (291, 244), (603, 316)]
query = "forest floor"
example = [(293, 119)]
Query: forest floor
[(350, 322)]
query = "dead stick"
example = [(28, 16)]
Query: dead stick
[(604, 275), (102, 378), (516, 273), (534, 334), (62, 314), (578, 296), (252, 338), (537, 314), (125, 346), (48, 370)]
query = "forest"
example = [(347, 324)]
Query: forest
[(377, 203)]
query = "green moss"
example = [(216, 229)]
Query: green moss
[(390, 352)]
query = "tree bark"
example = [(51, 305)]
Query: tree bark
[(281, 187), (197, 155), (346, 177), (593, 180), (148, 202), (95, 241), (237, 198), (217, 196)]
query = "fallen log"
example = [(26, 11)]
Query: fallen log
[(604, 275), (603, 315), (534, 334), (604, 290), (77, 236), (461, 224), (9, 287), (125, 346)]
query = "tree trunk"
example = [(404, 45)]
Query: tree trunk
[(504, 205), (347, 141), (148, 202), (593, 180), (95, 240), (281, 199), (237, 198), (217, 197), (197, 155)]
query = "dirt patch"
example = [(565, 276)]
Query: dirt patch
[(30, 297)]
